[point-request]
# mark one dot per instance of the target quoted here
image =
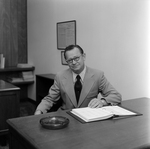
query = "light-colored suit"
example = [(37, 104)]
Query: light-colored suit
[(94, 83)]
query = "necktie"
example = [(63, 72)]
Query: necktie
[(78, 87)]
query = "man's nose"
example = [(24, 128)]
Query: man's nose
[(73, 61)]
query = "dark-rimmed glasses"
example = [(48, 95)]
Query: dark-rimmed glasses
[(76, 59)]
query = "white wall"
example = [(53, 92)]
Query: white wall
[(113, 33)]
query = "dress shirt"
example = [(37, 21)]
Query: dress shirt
[(82, 74)]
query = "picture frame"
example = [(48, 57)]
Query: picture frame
[(66, 34), (63, 61)]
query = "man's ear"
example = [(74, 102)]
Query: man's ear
[(84, 56)]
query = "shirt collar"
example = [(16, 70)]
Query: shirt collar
[(82, 74)]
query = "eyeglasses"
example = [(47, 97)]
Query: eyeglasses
[(76, 59)]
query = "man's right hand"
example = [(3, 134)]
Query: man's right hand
[(38, 112)]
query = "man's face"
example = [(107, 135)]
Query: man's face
[(75, 60)]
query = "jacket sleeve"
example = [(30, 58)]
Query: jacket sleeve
[(111, 95)]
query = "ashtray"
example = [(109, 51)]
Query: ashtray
[(54, 122)]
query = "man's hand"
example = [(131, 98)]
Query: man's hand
[(38, 112), (95, 103)]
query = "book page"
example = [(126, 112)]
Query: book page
[(116, 110), (92, 114)]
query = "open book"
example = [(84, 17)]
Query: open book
[(94, 114)]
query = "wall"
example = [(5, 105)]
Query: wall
[(113, 33)]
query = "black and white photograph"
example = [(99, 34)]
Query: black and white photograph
[(74, 74)]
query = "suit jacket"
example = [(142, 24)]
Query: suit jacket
[(94, 83)]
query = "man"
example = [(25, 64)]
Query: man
[(79, 85)]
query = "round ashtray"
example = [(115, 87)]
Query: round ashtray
[(54, 122)]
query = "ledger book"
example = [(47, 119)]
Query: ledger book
[(94, 114)]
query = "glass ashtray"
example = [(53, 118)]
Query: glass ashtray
[(54, 122)]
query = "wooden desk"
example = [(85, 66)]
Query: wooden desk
[(14, 72), (9, 104), (127, 133)]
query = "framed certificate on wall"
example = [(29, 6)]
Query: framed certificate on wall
[(66, 34)]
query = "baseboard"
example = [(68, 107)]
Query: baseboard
[(29, 100), (32, 101)]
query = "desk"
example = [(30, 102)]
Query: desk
[(9, 104), (127, 133), (15, 72)]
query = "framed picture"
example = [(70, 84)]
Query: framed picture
[(63, 61), (66, 34)]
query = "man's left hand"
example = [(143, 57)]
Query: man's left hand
[(95, 103)]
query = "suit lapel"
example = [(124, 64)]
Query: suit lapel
[(69, 87), (87, 85)]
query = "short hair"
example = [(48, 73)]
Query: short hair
[(71, 47)]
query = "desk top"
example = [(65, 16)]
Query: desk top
[(5, 86), (48, 76), (133, 132)]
